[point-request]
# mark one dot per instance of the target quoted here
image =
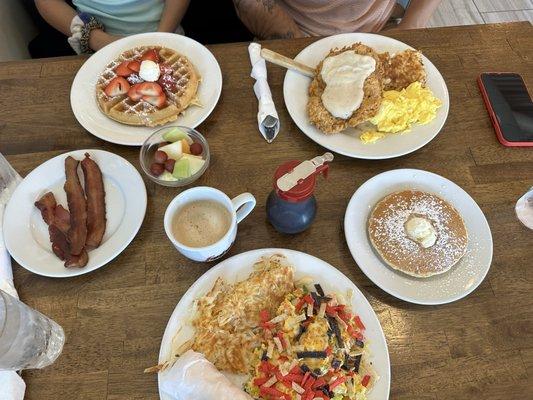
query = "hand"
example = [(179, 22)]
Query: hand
[(99, 39)]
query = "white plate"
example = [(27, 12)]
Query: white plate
[(83, 98), (295, 89), (239, 267), (453, 285), (26, 234)]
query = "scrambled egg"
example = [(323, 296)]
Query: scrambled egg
[(401, 109)]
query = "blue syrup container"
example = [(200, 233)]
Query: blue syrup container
[(294, 210)]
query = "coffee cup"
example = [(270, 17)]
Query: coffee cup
[(202, 222)]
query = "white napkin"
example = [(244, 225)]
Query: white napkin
[(261, 88), (193, 377), (12, 385)]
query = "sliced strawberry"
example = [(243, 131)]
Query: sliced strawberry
[(134, 78), (117, 86), (165, 69), (168, 82), (158, 101), (150, 89), (123, 69), (150, 55), (135, 66), (133, 94)]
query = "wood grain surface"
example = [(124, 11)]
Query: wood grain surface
[(114, 318)]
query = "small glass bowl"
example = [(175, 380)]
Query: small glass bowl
[(150, 146)]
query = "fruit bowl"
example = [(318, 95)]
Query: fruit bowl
[(175, 156)]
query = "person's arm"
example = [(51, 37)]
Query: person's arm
[(266, 19), (59, 15), (172, 15), (418, 14)]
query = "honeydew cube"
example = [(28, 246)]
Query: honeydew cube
[(182, 169), (173, 150), (195, 163)]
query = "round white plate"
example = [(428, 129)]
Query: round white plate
[(239, 267), (295, 89), (83, 98), (26, 234), (453, 285)]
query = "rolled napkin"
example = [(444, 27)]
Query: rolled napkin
[(262, 91), (193, 377), (11, 384)]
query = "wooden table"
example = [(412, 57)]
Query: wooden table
[(114, 318)]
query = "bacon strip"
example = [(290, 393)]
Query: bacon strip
[(58, 221), (77, 233), (47, 205), (96, 213)]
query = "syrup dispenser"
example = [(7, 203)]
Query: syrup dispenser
[(291, 206)]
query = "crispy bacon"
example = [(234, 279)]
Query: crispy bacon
[(96, 213), (47, 205), (62, 218), (58, 220), (77, 233)]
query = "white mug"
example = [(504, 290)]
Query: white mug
[(238, 207)]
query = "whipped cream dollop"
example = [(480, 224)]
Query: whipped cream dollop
[(421, 231), (344, 76), (149, 71)]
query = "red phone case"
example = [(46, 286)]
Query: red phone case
[(493, 118)]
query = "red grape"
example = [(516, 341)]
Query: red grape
[(169, 165), (160, 157), (196, 149), (157, 169)]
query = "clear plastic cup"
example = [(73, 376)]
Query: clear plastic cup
[(28, 339), (524, 209)]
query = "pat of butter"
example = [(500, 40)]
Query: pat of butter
[(344, 76), (421, 230)]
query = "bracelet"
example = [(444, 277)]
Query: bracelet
[(86, 32)]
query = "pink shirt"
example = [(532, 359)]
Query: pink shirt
[(329, 17)]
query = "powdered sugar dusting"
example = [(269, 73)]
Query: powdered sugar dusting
[(387, 232)]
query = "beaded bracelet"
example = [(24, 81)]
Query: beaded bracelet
[(86, 32)]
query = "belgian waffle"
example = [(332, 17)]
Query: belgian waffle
[(180, 95)]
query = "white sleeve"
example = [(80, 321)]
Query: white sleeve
[(193, 377)]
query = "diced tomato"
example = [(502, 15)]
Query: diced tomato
[(331, 311), (261, 381), (359, 323), (283, 358), (266, 366), (328, 350), (264, 315), (319, 382), (346, 317), (309, 383), (305, 378), (354, 333), (299, 305), (309, 299), (309, 396), (293, 378), (296, 370), (337, 382), (365, 380)]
